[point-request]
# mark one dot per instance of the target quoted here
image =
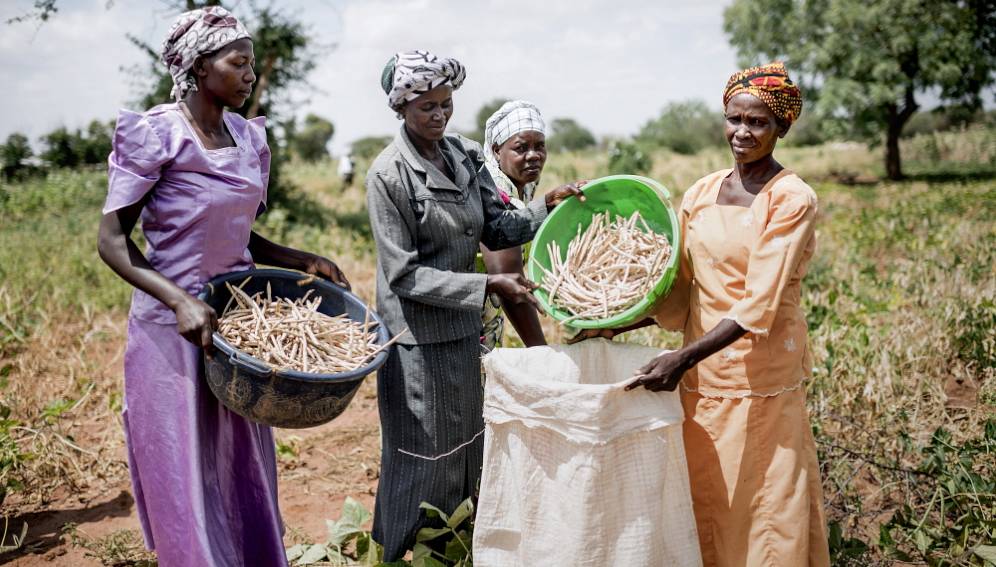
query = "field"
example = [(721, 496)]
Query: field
[(901, 302)]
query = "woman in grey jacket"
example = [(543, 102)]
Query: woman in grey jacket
[(430, 208)]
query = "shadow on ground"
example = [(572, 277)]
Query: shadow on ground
[(45, 527)]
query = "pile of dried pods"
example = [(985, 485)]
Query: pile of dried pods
[(294, 335), (609, 267)]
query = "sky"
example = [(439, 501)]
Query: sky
[(610, 64)]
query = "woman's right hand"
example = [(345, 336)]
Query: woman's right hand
[(513, 287), (196, 321)]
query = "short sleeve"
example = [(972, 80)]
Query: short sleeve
[(774, 258), (257, 135), (137, 157)]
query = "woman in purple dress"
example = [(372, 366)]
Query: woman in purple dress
[(204, 478)]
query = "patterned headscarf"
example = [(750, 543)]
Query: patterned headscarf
[(195, 33), (772, 85), (413, 73), (512, 118)]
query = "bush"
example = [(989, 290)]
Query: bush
[(628, 158), (567, 135), (71, 149), (14, 155), (310, 143), (369, 147), (685, 128)]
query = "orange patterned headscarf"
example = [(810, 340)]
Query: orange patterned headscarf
[(772, 85)]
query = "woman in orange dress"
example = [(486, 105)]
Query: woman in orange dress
[(747, 238)]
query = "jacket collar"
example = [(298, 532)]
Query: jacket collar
[(435, 179)]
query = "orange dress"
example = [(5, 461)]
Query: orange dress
[(751, 456)]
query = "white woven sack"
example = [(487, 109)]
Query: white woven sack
[(577, 471)]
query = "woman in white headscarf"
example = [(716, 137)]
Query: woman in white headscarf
[(515, 153)]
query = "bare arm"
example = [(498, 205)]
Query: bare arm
[(270, 253), (523, 315), (195, 320), (665, 371)]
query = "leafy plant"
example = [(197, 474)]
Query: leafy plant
[(350, 545), (629, 158), (952, 523)]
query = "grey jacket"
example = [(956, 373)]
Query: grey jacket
[(427, 230)]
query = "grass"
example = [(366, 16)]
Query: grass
[(900, 297)]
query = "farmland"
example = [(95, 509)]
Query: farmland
[(900, 299)]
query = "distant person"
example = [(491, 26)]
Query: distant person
[(748, 234), (430, 209), (514, 156), (204, 479), (346, 170)]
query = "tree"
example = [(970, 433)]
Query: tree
[(684, 127), (62, 148), (310, 143), (369, 147), (567, 135), (14, 154), (483, 114), (96, 145), (862, 64)]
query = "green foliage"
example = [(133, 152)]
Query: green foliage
[(13, 155), (448, 545), (567, 135), (12, 457), (951, 520), (310, 142), (481, 118), (844, 550), (808, 130), (684, 127), (64, 148), (629, 158), (862, 64), (367, 148)]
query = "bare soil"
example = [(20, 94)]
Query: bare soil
[(318, 467)]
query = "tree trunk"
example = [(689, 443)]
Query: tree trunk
[(896, 120)]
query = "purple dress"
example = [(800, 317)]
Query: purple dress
[(204, 478)]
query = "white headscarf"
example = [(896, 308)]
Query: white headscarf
[(512, 118), (410, 74), (195, 33)]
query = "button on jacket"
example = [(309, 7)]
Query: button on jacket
[(427, 229)]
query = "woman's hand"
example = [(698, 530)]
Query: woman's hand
[(662, 373), (196, 322), (586, 334), (558, 195), (324, 268), (513, 287)]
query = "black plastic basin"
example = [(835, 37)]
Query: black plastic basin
[(290, 399)]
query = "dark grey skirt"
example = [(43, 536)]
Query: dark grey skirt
[(431, 404)]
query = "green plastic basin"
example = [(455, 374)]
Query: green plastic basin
[(621, 195)]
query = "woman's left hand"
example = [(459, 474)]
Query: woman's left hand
[(325, 268), (662, 373), (558, 195)]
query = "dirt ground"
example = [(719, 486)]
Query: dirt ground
[(318, 469)]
